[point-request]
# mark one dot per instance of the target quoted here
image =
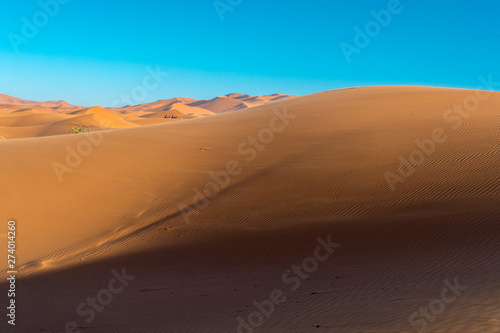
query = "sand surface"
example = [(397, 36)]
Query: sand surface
[(211, 215)]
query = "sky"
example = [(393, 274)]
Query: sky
[(103, 52)]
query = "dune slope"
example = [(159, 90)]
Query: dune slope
[(211, 216)]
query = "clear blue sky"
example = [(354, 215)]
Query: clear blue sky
[(93, 51)]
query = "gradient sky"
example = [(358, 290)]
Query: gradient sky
[(92, 52)]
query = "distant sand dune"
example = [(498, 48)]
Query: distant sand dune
[(34, 119), (105, 118)]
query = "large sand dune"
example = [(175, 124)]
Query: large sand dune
[(305, 202)]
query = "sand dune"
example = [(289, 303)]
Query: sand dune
[(191, 110), (105, 118), (29, 118), (13, 110), (147, 108), (198, 108), (179, 110), (220, 104), (235, 101), (6, 99), (280, 181), (34, 119), (25, 123)]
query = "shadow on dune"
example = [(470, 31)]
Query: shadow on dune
[(206, 282)]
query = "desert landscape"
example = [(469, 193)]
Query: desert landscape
[(23, 119), (231, 166), (366, 209)]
